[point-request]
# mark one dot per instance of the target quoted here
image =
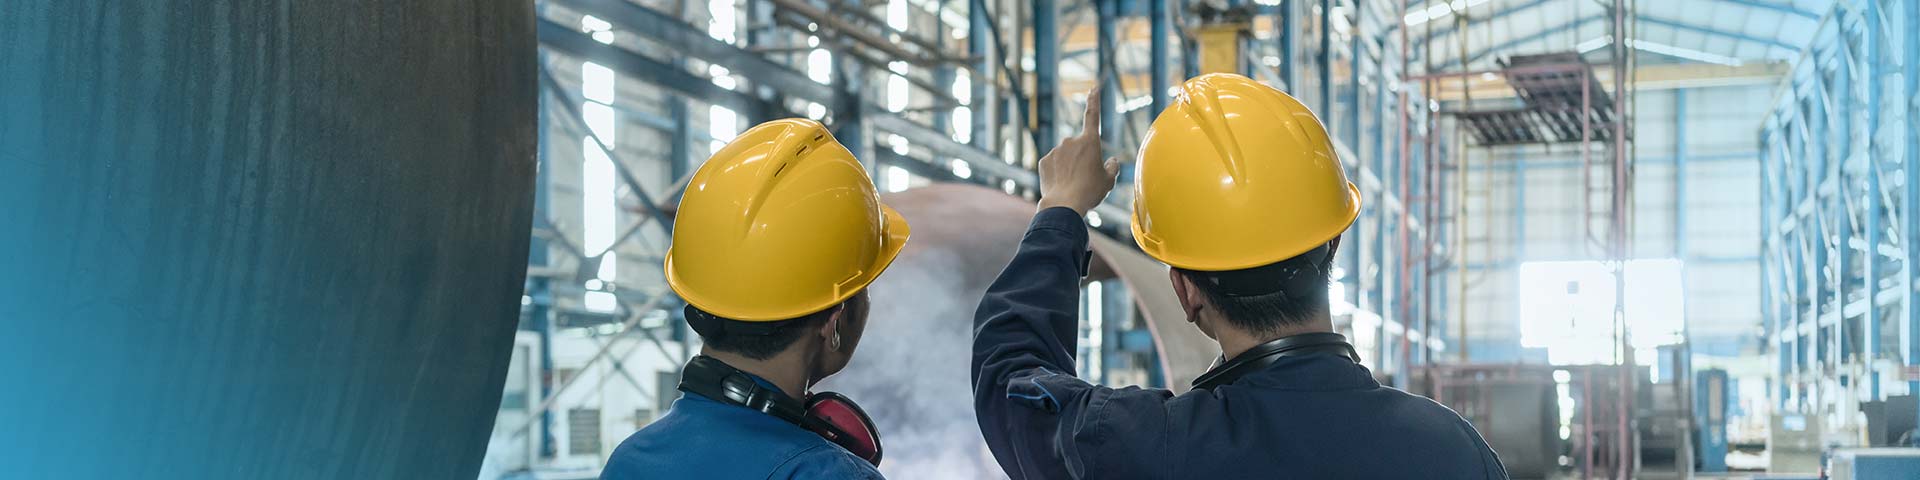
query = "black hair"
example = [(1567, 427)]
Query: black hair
[(758, 340), (1266, 299)]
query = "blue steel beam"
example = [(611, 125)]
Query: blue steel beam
[(1325, 58), (1160, 18), (570, 41), (1871, 319), (1110, 127), (684, 38), (1046, 73), (1911, 214), (1288, 37), (984, 73), (849, 112), (539, 316), (1189, 49), (1354, 54), (1105, 17), (943, 78), (1680, 174), (687, 40)]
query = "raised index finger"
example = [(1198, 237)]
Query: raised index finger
[(1090, 126)]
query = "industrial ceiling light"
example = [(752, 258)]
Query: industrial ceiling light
[(1662, 49), (1682, 52), (1440, 10)]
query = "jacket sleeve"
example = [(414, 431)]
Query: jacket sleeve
[(1039, 420)]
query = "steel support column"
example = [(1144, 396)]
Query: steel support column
[(1189, 49), (1325, 58), (1046, 74), (1871, 319), (1911, 214), (984, 72), (1680, 175), (1159, 19), (539, 314), (943, 78), (1107, 12), (1288, 36), (849, 110)]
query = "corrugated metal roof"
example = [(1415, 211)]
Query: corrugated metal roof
[(1711, 31)]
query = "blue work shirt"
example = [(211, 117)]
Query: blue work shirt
[(1313, 416), (700, 438)]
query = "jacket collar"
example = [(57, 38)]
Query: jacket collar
[(1311, 372)]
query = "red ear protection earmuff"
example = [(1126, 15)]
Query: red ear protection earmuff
[(847, 425), (831, 415)]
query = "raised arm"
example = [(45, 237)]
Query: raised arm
[(1029, 403)]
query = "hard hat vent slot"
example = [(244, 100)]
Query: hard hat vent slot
[(783, 167)]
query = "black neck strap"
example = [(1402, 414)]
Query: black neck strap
[(709, 377), (1265, 354)]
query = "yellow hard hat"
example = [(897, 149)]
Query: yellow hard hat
[(780, 223), (1235, 175)]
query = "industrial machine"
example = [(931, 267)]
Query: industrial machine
[(1512, 405), (1710, 405), (1874, 464), (1888, 421), (1794, 443)]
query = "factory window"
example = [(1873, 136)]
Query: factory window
[(601, 30), (897, 14), (598, 191), (963, 114), (1092, 331), (722, 125), (898, 95), (642, 417), (583, 431), (724, 22), (596, 82), (963, 125), (1565, 306), (962, 87)]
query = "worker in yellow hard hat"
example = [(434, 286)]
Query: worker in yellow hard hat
[(1240, 191), (774, 244)]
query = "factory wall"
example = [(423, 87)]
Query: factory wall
[(1525, 204)]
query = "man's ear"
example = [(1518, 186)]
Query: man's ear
[(831, 327), (1187, 292)]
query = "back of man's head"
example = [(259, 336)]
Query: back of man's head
[(1240, 189), (755, 340), (1273, 298)]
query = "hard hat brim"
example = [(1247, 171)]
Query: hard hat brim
[(1223, 261), (896, 232)]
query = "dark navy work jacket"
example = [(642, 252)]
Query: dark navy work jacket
[(1308, 417)]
